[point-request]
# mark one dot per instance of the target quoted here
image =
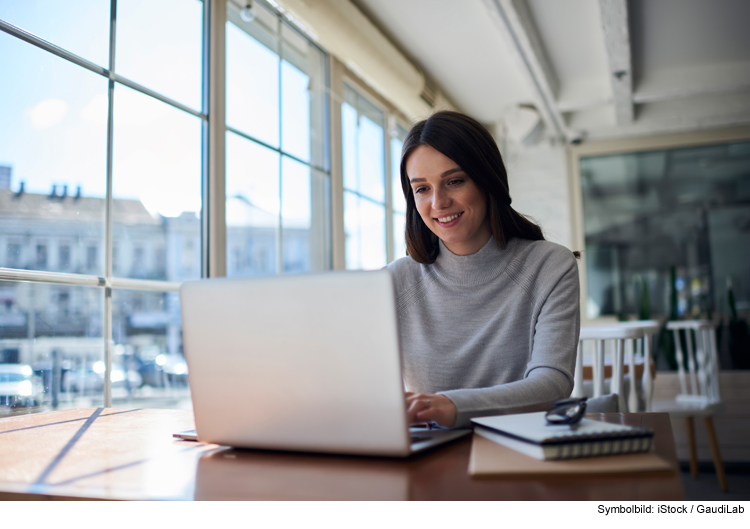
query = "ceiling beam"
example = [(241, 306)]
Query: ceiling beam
[(674, 125), (617, 44), (514, 21)]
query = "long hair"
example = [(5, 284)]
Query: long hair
[(466, 142)]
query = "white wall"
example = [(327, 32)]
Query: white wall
[(538, 182)]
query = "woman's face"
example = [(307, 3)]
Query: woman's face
[(449, 202)]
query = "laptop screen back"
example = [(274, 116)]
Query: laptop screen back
[(301, 362)]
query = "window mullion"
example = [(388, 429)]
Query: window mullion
[(279, 234), (108, 212), (214, 192)]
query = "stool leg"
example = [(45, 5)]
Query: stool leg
[(718, 464), (691, 447)]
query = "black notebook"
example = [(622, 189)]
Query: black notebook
[(530, 434)]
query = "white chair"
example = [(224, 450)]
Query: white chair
[(699, 387), (623, 338), (650, 329)]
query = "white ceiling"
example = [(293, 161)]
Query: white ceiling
[(685, 63)]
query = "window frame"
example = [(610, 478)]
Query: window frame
[(341, 76), (221, 264)]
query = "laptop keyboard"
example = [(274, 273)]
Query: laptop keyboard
[(420, 438)]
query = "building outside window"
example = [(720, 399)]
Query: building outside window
[(40, 259), (92, 258), (13, 255), (63, 257)]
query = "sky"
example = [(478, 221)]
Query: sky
[(53, 113)]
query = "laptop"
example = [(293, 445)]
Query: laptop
[(307, 362)]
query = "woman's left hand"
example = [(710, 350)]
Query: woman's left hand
[(421, 407)]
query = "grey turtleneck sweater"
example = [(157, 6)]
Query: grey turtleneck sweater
[(496, 331)]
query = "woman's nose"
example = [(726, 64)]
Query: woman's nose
[(441, 199)]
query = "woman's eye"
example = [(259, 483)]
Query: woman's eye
[(419, 190), (456, 181)]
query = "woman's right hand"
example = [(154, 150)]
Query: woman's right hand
[(421, 407)]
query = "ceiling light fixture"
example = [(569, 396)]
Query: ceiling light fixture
[(248, 12)]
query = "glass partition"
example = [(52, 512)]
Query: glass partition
[(668, 232)]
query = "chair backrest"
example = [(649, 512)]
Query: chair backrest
[(651, 329), (622, 337), (699, 339)]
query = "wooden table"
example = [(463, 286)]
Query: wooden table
[(110, 453)]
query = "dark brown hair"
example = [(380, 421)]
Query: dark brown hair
[(466, 142)]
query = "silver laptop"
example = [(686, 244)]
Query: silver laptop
[(300, 362)]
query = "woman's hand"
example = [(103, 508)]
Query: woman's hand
[(421, 407)]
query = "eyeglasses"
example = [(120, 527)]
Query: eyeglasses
[(568, 411)]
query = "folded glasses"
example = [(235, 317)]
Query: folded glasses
[(568, 411)]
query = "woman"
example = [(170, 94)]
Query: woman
[(488, 310)]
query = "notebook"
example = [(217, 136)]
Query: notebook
[(306, 362), (490, 459), (529, 433)]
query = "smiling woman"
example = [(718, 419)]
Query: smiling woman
[(488, 310), (448, 201)]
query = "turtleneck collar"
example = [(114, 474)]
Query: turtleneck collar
[(475, 269)]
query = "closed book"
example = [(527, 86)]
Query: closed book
[(529, 433)]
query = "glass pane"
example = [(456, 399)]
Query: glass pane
[(349, 134), (78, 26), (666, 231), (51, 347), (371, 151), (159, 45), (352, 230), (252, 104), (252, 207), (149, 368), (157, 189), (397, 192), (363, 138), (399, 237), (295, 112), (364, 226), (304, 217), (53, 138), (303, 110), (296, 215)]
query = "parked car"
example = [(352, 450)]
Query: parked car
[(91, 379), (18, 386), (165, 370)]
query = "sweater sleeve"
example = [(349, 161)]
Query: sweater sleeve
[(549, 371)]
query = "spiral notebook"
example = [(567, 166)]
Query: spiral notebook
[(530, 434)]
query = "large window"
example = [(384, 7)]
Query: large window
[(101, 153), (104, 166), (277, 171)]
